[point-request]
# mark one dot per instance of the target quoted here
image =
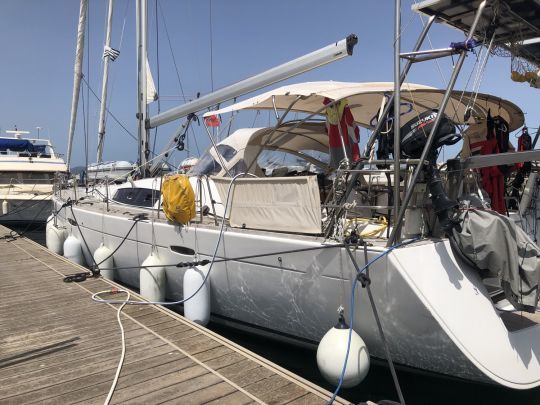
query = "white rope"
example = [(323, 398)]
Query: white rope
[(123, 355)]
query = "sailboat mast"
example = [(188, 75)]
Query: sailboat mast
[(106, 60), (397, 110), (77, 75), (142, 39)]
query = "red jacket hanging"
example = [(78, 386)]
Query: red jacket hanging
[(340, 112)]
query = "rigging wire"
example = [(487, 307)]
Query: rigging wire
[(113, 81), (171, 49), (108, 111)]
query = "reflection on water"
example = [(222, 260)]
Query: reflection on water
[(418, 388)]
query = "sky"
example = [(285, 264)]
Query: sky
[(196, 46)]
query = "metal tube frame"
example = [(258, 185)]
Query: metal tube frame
[(378, 127), (394, 236)]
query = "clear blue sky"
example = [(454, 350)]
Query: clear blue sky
[(37, 43)]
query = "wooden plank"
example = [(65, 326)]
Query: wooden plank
[(182, 389), (155, 384), (271, 383), (99, 361), (252, 376), (97, 384), (40, 358), (308, 399), (225, 360), (61, 347), (235, 371), (203, 396), (283, 394), (213, 353), (236, 398), (139, 373)]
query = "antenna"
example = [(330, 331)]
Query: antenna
[(17, 134)]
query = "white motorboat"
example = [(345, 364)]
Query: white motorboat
[(28, 168), (115, 171), (282, 254)]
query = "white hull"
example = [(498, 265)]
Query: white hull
[(435, 311)]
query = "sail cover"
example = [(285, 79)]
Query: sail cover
[(496, 245), (151, 93), (20, 145)]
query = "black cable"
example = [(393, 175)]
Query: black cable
[(240, 258), (135, 220), (95, 270), (81, 276)]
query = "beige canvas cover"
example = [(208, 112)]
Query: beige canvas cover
[(286, 204), (365, 101)]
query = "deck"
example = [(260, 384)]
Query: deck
[(59, 346)]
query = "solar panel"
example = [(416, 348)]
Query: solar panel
[(516, 23)]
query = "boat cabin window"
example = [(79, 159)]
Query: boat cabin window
[(139, 197), (278, 163), (207, 165), (228, 152), (26, 177)]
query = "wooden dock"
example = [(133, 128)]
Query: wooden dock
[(58, 346)]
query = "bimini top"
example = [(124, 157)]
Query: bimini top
[(365, 101)]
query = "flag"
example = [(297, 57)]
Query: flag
[(212, 121), (111, 53)]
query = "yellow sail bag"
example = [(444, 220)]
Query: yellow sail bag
[(178, 199)]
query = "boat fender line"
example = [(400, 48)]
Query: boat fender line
[(94, 268), (210, 265), (360, 271)]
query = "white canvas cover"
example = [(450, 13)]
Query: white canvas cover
[(286, 204)]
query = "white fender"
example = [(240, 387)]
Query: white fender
[(197, 309), (153, 279), (73, 250), (5, 207), (331, 356), (105, 261)]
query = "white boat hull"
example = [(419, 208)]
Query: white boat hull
[(435, 311)]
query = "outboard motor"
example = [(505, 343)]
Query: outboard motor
[(414, 135)]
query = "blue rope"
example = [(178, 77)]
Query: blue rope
[(351, 320)]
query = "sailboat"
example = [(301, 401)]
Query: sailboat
[(279, 252)]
